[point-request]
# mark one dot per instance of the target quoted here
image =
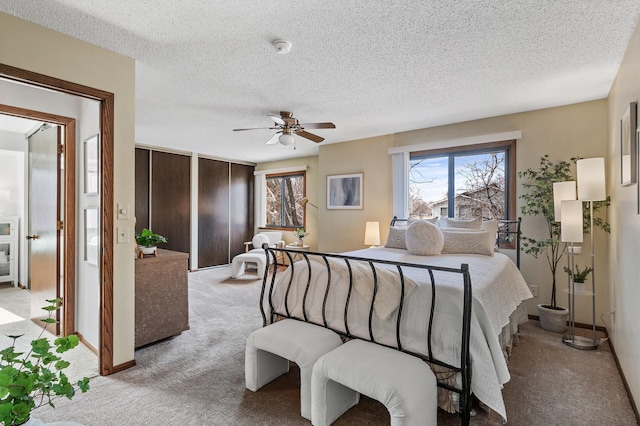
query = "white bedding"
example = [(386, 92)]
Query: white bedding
[(498, 289)]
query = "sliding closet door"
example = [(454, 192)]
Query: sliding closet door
[(213, 212), (241, 206), (171, 199), (142, 189)]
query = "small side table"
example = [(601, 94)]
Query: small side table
[(296, 247)]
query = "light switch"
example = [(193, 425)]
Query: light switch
[(123, 235), (123, 211)]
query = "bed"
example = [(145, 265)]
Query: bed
[(455, 311)]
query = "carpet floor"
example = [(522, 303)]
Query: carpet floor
[(197, 378)]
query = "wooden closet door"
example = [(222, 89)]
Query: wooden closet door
[(171, 199), (213, 212), (142, 189), (242, 228)]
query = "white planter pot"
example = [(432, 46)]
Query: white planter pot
[(578, 288), (147, 250), (553, 319)]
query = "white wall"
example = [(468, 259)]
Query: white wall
[(32, 47), (86, 113), (624, 285)]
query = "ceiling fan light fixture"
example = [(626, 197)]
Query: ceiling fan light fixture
[(287, 139), (282, 46)]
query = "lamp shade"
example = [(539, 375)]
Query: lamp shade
[(562, 191), (591, 180), (571, 226), (372, 234)]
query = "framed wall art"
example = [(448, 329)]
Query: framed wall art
[(345, 192), (91, 165), (628, 146)]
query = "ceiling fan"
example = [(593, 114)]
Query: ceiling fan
[(287, 126)]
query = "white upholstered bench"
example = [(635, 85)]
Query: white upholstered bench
[(239, 262), (403, 383), (269, 350)]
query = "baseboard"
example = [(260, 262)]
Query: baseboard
[(634, 407), (87, 344), (578, 325), (123, 366)]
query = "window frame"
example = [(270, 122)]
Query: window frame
[(509, 146), (302, 173)]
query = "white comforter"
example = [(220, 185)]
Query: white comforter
[(498, 289)]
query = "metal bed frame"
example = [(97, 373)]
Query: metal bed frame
[(271, 272)]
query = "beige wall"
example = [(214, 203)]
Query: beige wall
[(343, 230), (312, 195), (31, 47), (563, 132), (624, 288)]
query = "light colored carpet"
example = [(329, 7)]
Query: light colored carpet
[(15, 311), (197, 378)]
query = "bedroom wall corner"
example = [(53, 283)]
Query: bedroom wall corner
[(312, 194), (70, 59), (343, 230), (625, 227)]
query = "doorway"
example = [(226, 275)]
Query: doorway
[(106, 107)]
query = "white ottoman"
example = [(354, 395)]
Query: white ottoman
[(269, 350), (403, 383), (238, 263)]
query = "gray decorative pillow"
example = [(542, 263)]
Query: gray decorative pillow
[(424, 239), (467, 242), (447, 222), (396, 238)]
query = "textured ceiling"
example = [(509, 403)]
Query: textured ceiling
[(371, 67)]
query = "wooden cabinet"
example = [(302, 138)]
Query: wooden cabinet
[(9, 249), (162, 299), (224, 215)]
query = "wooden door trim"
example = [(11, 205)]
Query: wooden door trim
[(69, 219), (106, 100)]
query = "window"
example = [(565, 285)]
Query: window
[(463, 182), (284, 191)]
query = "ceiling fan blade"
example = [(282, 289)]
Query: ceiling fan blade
[(317, 125), (274, 139), (277, 119), (256, 128), (309, 136)]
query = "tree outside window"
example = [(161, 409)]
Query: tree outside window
[(477, 177), (283, 193)]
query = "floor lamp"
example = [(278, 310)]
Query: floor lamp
[(571, 232), (591, 187)]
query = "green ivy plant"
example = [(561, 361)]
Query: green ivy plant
[(147, 238), (28, 381), (538, 201)]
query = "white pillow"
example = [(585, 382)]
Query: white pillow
[(491, 226), (396, 238), (258, 240), (424, 239), (447, 222), (458, 241)]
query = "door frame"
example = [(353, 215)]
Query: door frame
[(106, 100), (69, 218)]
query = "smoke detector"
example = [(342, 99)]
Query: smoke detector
[(282, 46)]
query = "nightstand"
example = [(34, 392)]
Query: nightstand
[(295, 247)]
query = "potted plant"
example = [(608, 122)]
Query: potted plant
[(538, 201), (147, 241), (300, 233), (28, 381), (578, 277)]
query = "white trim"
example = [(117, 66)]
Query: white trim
[(471, 140), (193, 257), (282, 170)]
